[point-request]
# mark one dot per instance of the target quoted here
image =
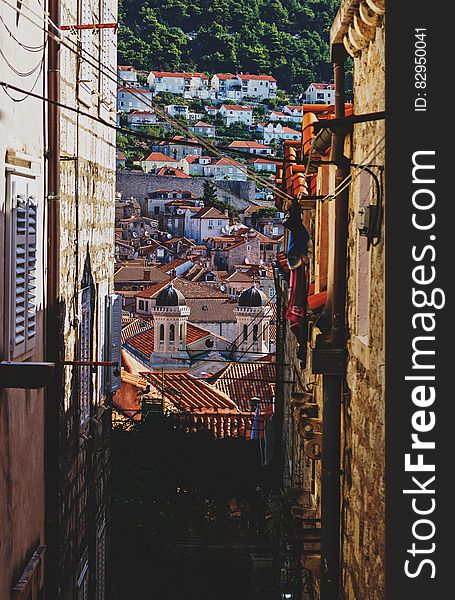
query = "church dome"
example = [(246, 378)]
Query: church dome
[(252, 297), (169, 296)]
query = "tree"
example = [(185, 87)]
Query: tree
[(210, 196)]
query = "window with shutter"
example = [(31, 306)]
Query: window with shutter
[(85, 355), (22, 256)]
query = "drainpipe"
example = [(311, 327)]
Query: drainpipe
[(333, 383), (54, 391)]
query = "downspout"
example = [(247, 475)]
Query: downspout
[(333, 383), (54, 390)]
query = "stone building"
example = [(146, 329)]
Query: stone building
[(78, 469), (330, 359), (22, 315), (60, 308)]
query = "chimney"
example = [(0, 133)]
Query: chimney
[(146, 274), (226, 212)]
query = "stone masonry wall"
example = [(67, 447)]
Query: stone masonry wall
[(239, 193), (363, 482)]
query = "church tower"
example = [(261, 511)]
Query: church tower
[(253, 316), (170, 316)]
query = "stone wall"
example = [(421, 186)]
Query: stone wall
[(363, 513), (239, 193)]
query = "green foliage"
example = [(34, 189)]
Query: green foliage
[(284, 38), (210, 198)]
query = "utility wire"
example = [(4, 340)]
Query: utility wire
[(98, 65)]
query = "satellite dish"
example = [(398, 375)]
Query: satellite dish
[(247, 262), (224, 230), (169, 236), (222, 288), (135, 234)]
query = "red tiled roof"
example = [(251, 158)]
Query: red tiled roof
[(225, 76), (261, 160), (182, 75), (138, 273), (190, 393), (290, 130), (202, 124), (160, 157), (228, 161), (136, 326), (247, 76), (120, 155), (209, 212), (245, 380), (323, 86), (246, 144), (125, 68), (173, 264), (172, 172), (143, 341), (133, 90), (238, 277), (235, 107), (189, 289)]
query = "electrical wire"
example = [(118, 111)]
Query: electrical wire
[(177, 125), (27, 93), (24, 46)]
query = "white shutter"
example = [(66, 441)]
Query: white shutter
[(23, 265), (114, 343)]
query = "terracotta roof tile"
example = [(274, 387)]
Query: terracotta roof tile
[(245, 380), (160, 157), (181, 75), (190, 393)]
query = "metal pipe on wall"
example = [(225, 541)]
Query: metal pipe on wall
[(333, 383), (53, 394)]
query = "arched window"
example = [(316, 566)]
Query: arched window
[(255, 333), (161, 333), (172, 333), (245, 333)]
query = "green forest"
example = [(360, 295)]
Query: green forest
[(288, 39)]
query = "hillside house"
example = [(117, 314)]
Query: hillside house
[(127, 74), (202, 128), (137, 98), (188, 85), (141, 118), (320, 93), (156, 160), (252, 147), (232, 113), (226, 168)]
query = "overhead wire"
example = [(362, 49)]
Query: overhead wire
[(177, 125)]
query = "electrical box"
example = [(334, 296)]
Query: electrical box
[(113, 343), (368, 220)]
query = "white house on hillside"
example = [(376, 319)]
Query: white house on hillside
[(277, 132), (252, 147), (133, 99), (188, 85), (320, 93), (232, 113), (127, 73), (225, 168), (237, 87)]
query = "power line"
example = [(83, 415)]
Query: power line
[(97, 64)]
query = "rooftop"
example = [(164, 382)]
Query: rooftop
[(242, 381)]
